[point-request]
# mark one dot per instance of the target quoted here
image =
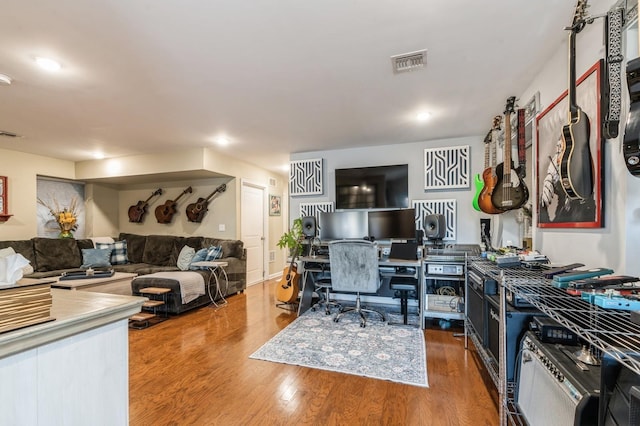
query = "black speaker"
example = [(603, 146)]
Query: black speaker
[(435, 227), (419, 236), (309, 228)]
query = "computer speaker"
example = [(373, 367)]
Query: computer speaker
[(309, 228), (435, 227)]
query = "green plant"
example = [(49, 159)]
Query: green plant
[(292, 239)]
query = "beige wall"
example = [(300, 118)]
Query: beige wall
[(107, 204), (22, 170)]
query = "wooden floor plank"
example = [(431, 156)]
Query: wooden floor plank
[(194, 369)]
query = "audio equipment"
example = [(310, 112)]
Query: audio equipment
[(435, 227), (619, 393), (548, 330), (560, 269), (553, 384), (309, 228), (419, 236), (444, 269), (516, 324), (476, 307)]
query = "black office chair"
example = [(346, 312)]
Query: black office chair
[(354, 268)]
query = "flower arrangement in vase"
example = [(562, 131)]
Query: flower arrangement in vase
[(66, 217)]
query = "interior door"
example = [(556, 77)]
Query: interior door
[(253, 230)]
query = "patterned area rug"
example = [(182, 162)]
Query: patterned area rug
[(380, 351)]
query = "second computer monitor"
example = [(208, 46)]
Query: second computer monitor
[(343, 225), (392, 224)]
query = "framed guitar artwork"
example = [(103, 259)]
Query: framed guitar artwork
[(558, 206)]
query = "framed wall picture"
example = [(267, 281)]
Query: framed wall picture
[(555, 208), (275, 205), (3, 196)]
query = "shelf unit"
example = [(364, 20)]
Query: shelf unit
[(444, 266), (606, 330)]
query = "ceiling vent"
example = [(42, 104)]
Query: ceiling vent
[(409, 61), (8, 134)]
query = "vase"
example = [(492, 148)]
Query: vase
[(65, 234)]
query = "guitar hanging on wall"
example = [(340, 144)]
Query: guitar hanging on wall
[(165, 212), (197, 210), (631, 144), (489, 176), (478, 181), (576, 167), (137, 212), (510, 192)]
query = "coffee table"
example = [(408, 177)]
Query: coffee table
[(118, 283)]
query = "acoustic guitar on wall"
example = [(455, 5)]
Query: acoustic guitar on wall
[(576, 167), (510, 192), (165, 212), (489, 176), (196, 211), (137, 212)]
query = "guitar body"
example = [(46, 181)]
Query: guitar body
[(196, 211), (288, 287), (490, 180), (137, 212), (479, 184), (631, 145), (576, 169), (164, 213), (511, 193)]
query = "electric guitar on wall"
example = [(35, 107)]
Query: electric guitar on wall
[(197, 210), (137, 212), (489, 176), (510, 192), (631, 143), (288, 287), (478, 181), (165, 212), (576, 168)]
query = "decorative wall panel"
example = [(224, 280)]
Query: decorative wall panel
[(305, 177), (443, 207), (314, 209), (446, 168)]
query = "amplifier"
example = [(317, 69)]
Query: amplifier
[(553, 387), (444, 269)]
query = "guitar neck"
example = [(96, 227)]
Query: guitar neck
[(573, 107), (487, 148), (507, 148)]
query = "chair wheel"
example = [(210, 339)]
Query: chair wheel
[(336, 319), (327, 313), (363, 325)]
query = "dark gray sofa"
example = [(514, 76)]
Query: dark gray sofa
[(147, 254)]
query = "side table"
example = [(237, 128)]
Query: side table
[(216, 272)]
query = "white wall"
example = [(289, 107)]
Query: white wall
[(613, 245), (468, 224)]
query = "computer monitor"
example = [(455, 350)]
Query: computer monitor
[(392, 224), (343, 225)]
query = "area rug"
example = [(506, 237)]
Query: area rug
[(380, 351)]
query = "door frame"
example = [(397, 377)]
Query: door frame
[(265, 220)]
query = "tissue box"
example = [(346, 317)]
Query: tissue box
[(24, 304)]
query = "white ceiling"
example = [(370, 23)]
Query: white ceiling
[(276, 76)]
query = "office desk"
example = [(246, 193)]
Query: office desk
[(318, 264)]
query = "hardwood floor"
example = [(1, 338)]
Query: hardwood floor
[(194, 369)]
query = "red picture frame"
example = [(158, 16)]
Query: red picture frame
[(554, 208)]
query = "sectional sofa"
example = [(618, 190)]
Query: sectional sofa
[(146, 254)]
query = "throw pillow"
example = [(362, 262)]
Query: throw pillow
[(185, 257), (200, 256), (96, 258), (118, 251), (214, 252)]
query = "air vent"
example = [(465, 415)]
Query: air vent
[(8, 134), (272, 182), (409, 61)]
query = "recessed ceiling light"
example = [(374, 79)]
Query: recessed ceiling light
[(423, 116), (98, 155), (222, 141), (5, 80), (48, 64)]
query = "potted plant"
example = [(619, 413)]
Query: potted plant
[(292, 239)]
